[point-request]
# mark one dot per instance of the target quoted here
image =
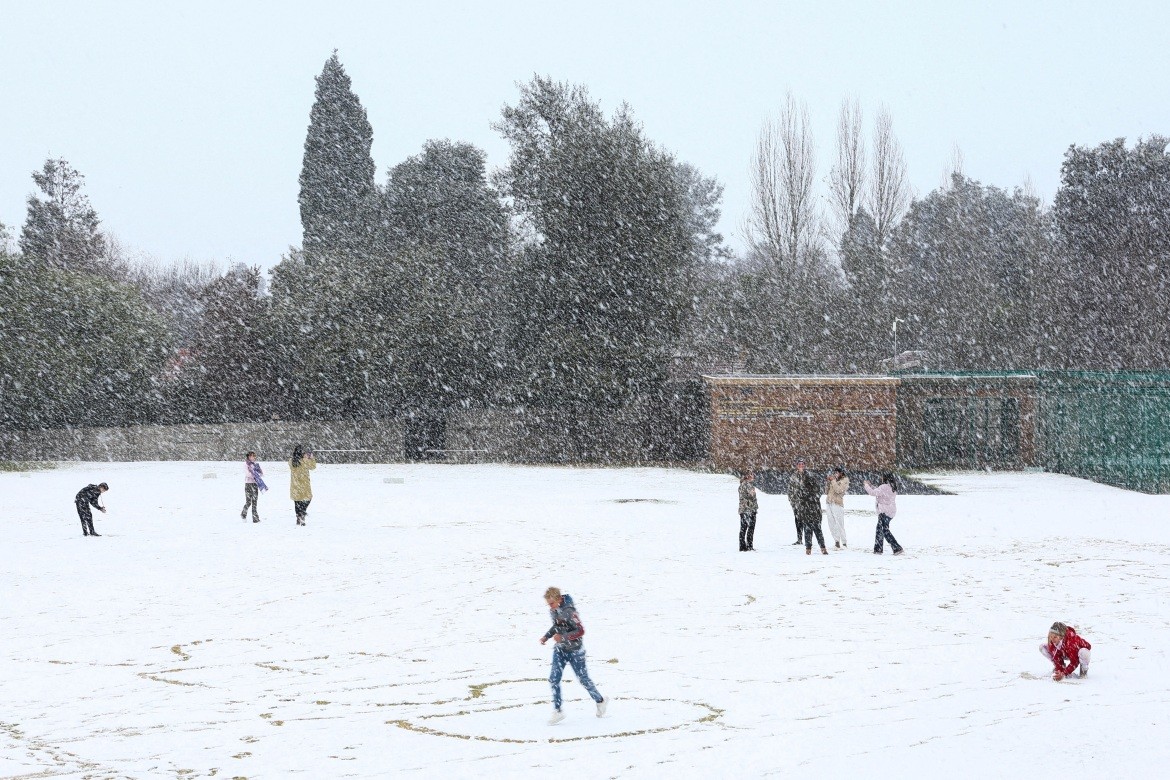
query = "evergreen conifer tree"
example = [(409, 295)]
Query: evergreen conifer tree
[(1112, 273), (61, 229), (861, 257), (602, 294), (232, 358), (338, 194), (966, 256)]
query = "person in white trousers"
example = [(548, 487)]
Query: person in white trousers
[(836, 486)]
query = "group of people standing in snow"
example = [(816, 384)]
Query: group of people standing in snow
[(300, 486), (804, 495), (1068, 651), (300, 490)]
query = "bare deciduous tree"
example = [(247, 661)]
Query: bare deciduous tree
[(847, 179), (7, 243), (784, 223), (954, 168), (175, 290), (889, 193)]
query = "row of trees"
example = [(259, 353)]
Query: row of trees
[(585, 273), (978, 277), (568, 278)]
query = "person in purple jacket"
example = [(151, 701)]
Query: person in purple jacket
[(253, 484), (885, 495)]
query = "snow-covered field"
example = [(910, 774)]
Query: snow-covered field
[(397, 633)]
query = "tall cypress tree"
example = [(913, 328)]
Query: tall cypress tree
[(338, 194)]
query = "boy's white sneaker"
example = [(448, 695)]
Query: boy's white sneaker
[(601, 705), (556, 718)]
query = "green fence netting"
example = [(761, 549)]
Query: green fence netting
[(1112, 427)]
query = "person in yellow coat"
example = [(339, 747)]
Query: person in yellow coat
[(299, 486)]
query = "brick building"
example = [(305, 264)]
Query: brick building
[(767, 421), (968, 420), (873, 423)]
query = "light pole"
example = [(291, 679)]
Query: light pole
[(894, 362)]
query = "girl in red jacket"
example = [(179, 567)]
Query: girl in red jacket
[(1067, 650)]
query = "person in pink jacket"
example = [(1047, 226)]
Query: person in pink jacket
[(885, 494)]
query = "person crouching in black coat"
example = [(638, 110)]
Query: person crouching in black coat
[(86, 497)]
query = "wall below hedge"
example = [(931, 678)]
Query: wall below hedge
[(666, 429), (354, 442)]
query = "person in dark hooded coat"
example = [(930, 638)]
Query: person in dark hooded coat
[(86, 497), (804, 494)]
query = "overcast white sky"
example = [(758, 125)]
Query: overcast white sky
[(188, 119)]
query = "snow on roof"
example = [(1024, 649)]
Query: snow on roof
[(799, 378)]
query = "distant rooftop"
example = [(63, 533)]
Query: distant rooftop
[(801, 377)]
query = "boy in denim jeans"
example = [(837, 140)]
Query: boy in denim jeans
[(566, 632)]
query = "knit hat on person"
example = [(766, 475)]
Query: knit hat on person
[(798, 462)]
